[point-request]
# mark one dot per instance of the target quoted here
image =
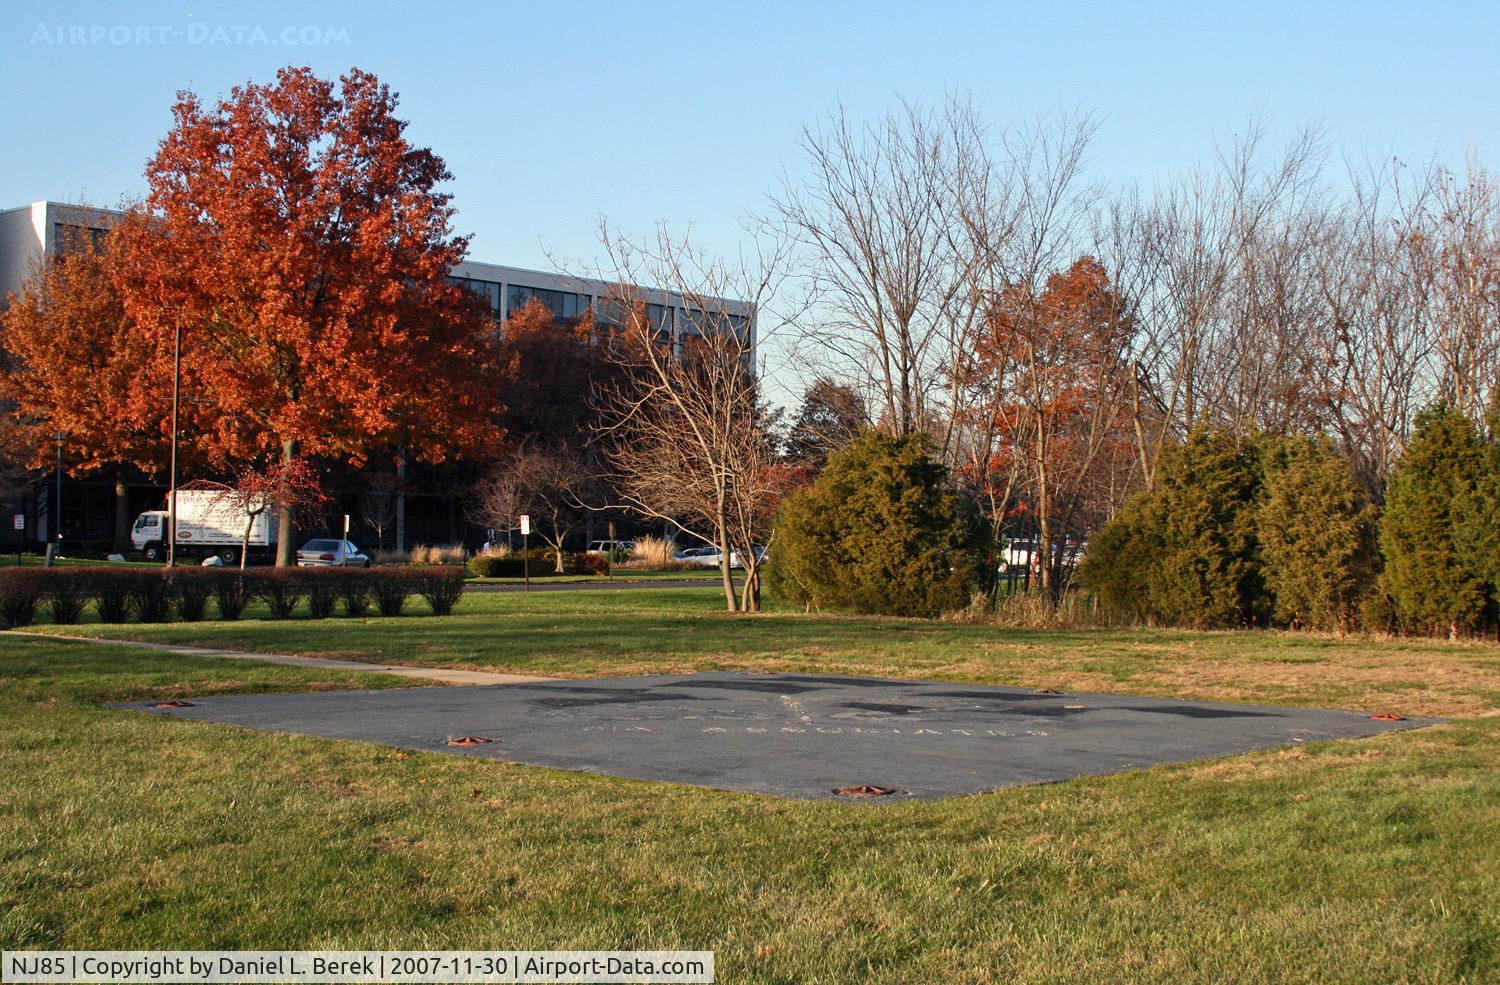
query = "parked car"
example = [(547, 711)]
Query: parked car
[(708, 557), (1018, 554), (610, 546), (331, 554), (1021, 554)]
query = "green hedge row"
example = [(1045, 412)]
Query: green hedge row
[(153, 595), (1274, 531), (542, 561), (1258, 531)]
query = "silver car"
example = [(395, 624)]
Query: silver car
[(331, 554)]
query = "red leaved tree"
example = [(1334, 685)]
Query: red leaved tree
[(300, 242), (548, 368), (1049, 371), (75, 363), (284, 487)]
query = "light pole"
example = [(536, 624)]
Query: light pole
[(59, 437), (172, 503)]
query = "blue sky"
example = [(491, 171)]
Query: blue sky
[(551, 114)]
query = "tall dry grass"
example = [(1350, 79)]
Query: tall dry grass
[(1030, 610), (438, 554), (653, 550), (654, 554)]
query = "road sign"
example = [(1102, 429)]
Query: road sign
[(19, 520), (525, 549)]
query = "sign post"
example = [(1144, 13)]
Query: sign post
[(525, 550), (609, 555), (19, 521), (344, 551)]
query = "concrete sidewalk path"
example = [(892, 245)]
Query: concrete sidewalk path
[(439, 675)]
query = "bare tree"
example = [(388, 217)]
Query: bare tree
[(876, 221), (497, 501), (683, 435), (377, 504), (1374, 344), (550, 482), (1461, 256), (1219, 271)]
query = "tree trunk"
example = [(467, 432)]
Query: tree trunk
[(559, 537), (401, 502), (721, 536), (286, 536), (122, 513), (245, 540), (731, 603), (1044, 521), (750, 593)]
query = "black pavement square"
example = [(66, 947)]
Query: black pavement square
[(793, 735)]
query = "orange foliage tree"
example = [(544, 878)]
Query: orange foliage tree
[(74, 363), (300, 242), (548, 368), (1048, 370)]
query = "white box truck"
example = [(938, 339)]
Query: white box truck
[(208, 522)]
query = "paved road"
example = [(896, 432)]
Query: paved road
[(617, 584)]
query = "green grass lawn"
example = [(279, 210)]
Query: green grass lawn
[(621, 574), (40, 560), (1357, 861), (680, 630)]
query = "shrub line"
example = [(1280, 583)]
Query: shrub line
[(154, 596)]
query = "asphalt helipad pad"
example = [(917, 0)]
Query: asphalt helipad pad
[(793, 735)]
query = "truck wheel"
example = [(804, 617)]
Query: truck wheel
[(228, 555), (152, 552)]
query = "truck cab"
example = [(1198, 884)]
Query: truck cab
[(149, 535)]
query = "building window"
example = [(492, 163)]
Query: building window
[(691, 321), (563, 304), (489, 290), (611, 311), (69, 238)]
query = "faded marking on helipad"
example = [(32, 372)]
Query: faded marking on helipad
[(795, 735)]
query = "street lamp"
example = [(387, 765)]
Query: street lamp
[(172, 495), (59, 437)]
